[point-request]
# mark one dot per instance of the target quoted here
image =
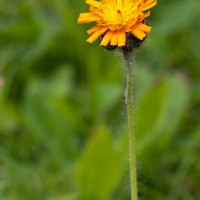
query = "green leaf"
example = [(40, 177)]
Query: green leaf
[(99, 170), (149, 109), (160, 111), (64, 197), (108, 96)]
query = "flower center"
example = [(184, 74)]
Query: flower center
[(117, 16)]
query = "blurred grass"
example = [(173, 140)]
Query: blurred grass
[(62, 121)]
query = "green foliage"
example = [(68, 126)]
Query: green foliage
[(63, 132), (100, 166)]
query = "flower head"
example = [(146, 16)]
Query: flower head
[(117, 18)]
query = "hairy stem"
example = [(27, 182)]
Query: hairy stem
[(130, 115)]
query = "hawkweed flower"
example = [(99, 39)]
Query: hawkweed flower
[(117, 20), (121, 24)]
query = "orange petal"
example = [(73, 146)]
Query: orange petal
[(147, 14), (93, 29), (138, 34), (114, 38), (147, 7), (143, 27), (142, 16), (121, 38), (97, 34), (106, 38), (147, 2), (93, 3), (87, 17)]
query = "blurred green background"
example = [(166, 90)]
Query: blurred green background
[(63, 132)]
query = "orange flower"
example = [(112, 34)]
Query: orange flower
[(115, 18)]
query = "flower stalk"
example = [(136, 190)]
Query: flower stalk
[(121, 25), (128, 57)]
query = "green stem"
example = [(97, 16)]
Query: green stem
[(130, 115)]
